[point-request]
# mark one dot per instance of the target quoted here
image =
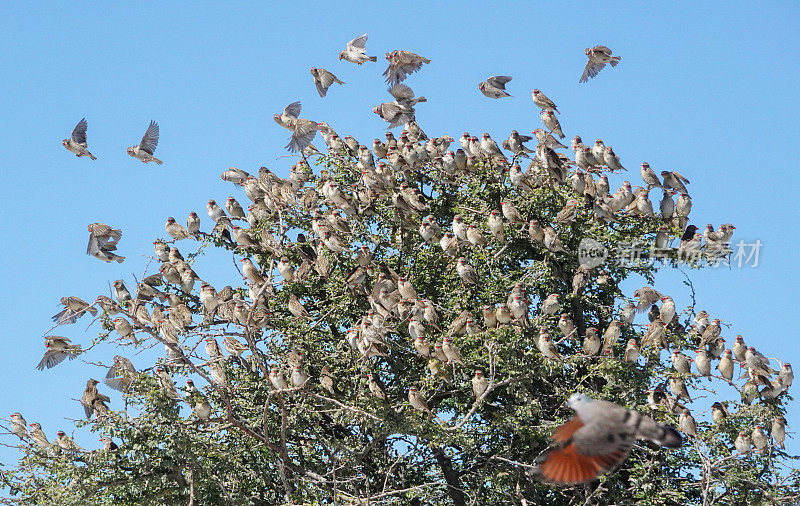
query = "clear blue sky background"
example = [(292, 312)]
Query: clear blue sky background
[(701, 91)]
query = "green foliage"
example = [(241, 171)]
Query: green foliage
[(310, 446)]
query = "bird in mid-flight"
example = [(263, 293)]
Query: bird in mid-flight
[(144, 151), (77, 141), (598, 438), (598, 57)]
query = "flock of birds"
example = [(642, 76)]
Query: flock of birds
[(601, 434)]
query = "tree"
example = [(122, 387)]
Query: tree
[(355, 298)]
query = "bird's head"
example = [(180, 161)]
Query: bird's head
[(577, 400), (130, 151), (341, 55)]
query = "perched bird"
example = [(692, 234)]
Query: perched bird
[(687, 423), (356, 51), (38, 435), (77, 141), (479, 384), (778, 431), (103, 241), (743, 443), (495, 86), (417, 400), (598, 439), (289, 114), (598, 57), (324, 79), (176, 230), (147, 147), (401, 64), (550, 122), (542, 102), (19, 427), (631, 351), (90, 396)]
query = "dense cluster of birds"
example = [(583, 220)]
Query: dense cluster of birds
[(389, 174)]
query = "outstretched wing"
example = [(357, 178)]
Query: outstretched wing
[(499, 81), (150, 139), (585, 452), (304, 133), (79, 132), (359, 42), (293, 109)]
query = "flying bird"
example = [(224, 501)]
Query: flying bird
[(290, 113), (77, 141), (103, 241), (144, 151), (401, 109), (401, 64), (303, 132), (495, 86), (598, 57), (324, 79), (356, 51), (598, 439)]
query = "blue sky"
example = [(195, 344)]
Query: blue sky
[(699, 91)]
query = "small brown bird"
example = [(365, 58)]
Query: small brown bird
[(74, 308), (144, 151), (102, 241), (356, 51), (289, 114), (598, 57), (90, 395), (542, 102), (120, 375), (417, 400), (495, 86), (479, 384), (401, 64), (58, 348), (324, 79), (176, 230), (77, 141), (303, 132)]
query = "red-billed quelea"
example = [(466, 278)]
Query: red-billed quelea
[(74, 308), (146, 148), (103, 241), (742, 443), (479, 384), (598, 57), (38, 436), (120, 375), (58, 349), (324, 79), (19, 427), (401, 64), (289, 114), (550, 122), (599, 439), (779, 431), (176, 230), (356, 51), (542, 102), (632, 352), (495, 86), (77, 141), (687, 423), (303, 132), (417, 401)]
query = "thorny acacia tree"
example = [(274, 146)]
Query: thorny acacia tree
[(341, 309)]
